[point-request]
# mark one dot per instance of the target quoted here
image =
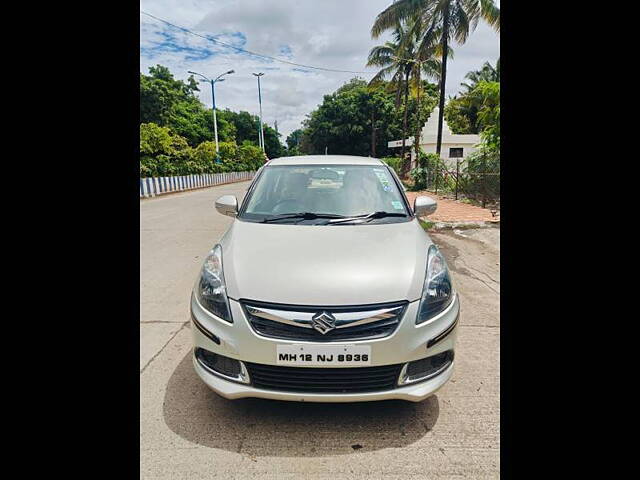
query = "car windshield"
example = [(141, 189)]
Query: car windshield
[(325, 194)]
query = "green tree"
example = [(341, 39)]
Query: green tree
[(476, 111), (195, 123), (379, 107), (452, 19), (246, 125), (272, 146), (487, 96), (425, 49), (394, 58), (487, 73), (405, 63), (293, 143), (293, 139), (159, 92), (172, 103), (247, 128), (343, 122), (420, 108), (462, 115)]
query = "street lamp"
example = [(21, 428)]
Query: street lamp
[(261, 133), (213, 96)]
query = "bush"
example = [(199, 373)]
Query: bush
[(164, 153), (228, 151), (395, 163), (251, 156), (238, 159), (204, 156), (420, 174)]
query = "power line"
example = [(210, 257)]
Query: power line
[(248, 51)]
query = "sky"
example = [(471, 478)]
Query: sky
[(332, 34)]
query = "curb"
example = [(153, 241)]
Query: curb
[(464, 225)]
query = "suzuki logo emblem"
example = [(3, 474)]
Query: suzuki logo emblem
[(323, 322)]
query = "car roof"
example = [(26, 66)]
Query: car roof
[(325, 160)]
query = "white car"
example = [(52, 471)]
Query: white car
[(325, 288)]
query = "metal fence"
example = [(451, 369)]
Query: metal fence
[(152, 186), (483, 186)]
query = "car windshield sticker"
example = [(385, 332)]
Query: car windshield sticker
[(397, 205), (384, 180)]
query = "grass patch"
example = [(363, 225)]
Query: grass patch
[(426, 224)]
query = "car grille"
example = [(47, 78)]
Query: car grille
[(323, 380), (336, 323)]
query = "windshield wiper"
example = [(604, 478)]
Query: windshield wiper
[(302, 216), (367, 217)]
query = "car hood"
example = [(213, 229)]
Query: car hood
[(325, 265)]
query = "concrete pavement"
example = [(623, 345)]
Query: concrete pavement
[(176, 233), (187, 431)]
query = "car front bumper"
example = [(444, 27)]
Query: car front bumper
[(408, 343), (233, 390)]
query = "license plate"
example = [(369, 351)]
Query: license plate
[(329, 355)]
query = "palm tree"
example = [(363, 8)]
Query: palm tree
[(424, 62), (392, 58), (453, 18), (401, 60), (487, 73)]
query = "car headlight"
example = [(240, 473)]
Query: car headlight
[(437, 293), (211, 291)]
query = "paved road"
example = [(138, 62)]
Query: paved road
[(187, 431)]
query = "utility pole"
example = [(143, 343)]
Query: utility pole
[(261, 135), (213, 97)]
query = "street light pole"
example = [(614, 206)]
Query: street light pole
[(213, 98), (215, 120), (261, 136)]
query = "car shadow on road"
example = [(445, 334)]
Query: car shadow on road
[(270, 428)]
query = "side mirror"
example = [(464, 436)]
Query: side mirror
[(423, 206), (227, 205)]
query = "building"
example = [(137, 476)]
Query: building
[(453, 146)]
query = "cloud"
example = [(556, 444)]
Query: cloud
[(331, 33), (483, 45)]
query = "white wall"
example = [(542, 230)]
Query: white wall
[(444, 153), (449, 140)]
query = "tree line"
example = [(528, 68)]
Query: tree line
[(423, 31), (359, 118), (176, 131)]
